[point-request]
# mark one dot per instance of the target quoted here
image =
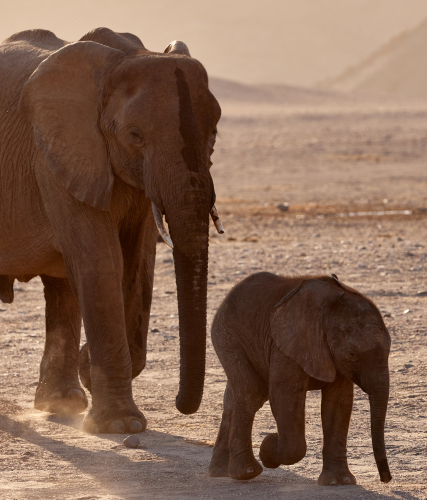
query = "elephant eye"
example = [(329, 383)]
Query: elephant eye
[(135, 136)]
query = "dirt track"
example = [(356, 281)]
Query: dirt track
[(354, 175)]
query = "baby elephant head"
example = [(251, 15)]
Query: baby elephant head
[(327, 327)]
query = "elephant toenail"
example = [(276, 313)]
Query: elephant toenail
[(95, 429), (346, 479), (334, 482), (116, 427), (56, 395), (135, 426), (249, 470)]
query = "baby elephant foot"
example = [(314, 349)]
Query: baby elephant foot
[(243, 466), (115, 421), (64, 401), (219, 463), (273, 453), (335, 476)]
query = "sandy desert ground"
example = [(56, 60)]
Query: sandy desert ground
[(353, 171)]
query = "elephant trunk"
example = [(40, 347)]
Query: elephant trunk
[(189, 229), (378, 399)]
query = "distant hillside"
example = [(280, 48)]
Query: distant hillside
[(227, 90), (397, 69), (295, 42)]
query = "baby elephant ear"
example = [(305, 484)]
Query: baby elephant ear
[(297, 327), (62, 101)]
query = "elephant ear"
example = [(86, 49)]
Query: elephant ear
[(298, 327), (62, 101)]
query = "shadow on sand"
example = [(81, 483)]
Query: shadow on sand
[(165, 466)]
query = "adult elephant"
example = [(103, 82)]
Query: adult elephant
[(99, 139)]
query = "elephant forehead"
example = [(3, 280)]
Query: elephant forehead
[(157, 71), (165, 91)]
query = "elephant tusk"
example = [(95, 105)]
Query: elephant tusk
[(158, 217), (217, 220)]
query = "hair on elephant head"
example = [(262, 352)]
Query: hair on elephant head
[(327, 326), (105, 108)]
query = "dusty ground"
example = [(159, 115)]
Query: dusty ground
[(354, 175)]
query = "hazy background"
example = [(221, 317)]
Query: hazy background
[(298, 42)]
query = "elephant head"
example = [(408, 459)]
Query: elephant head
[(149, 119), (327, 327)]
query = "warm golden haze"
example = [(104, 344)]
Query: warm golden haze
[(299, 42)]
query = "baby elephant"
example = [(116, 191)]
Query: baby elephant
[(278, 338)]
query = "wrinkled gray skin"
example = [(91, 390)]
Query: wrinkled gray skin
[(91, 134), (278, 338)]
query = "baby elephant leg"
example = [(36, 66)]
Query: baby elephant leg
[(288, 386), (233, 454), (59, 389), (337, 405), (288, 446), (221, 452)]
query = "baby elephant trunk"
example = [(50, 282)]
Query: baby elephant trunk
[(378, 399)]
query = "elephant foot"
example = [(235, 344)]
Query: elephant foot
[(115, 421), (336, 475), (219, 463), (65, 400), (243, 466), (268, 451), (274, 452)]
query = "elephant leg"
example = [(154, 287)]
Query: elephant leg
[(221, 452), (287, 394), (101, 298), (90, 245), (59, 390), (138, 245), (337, 405), (246, 393), (139, 255)]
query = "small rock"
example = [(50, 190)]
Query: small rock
[(155, 330), (361, 264), (283, 207), (252, 239), (132, 441), (406, 311), (422, 293)]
